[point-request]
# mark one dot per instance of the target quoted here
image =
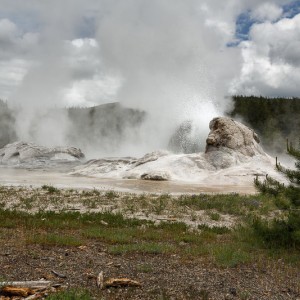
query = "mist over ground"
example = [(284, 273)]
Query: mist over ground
[(172, 62)]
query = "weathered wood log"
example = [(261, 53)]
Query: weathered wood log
[(26, 284), (16, 291), (121, 282)]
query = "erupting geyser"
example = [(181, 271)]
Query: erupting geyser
[(233, 156), (231, 148)]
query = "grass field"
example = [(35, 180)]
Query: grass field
[(215, 230)]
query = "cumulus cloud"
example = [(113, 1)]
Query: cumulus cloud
[(13, 42), (16, 54), (271, 60), (267, 12)]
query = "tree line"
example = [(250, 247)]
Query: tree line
[(274, 119)]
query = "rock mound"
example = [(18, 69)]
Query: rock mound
[(230, 143), (228, 133), (19, 153)]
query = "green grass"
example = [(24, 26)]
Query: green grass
[(51, 239), (170, 232), (227, 247), (144, 248), (230, 256), (214, 216), (27, 203), (120, 235), (228, 203), (214, 229), (64, 220), (144, 268), (111, 195), (112, 235)]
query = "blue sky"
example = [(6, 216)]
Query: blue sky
[(245, 21)]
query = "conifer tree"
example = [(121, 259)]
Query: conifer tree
[(286, 231)]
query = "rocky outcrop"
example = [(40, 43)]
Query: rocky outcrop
[(21, 152), (228, 133), (153, 156), (230, 143)]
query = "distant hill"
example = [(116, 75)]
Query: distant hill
[(105, 126)]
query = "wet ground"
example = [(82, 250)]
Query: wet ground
[(37, 178)]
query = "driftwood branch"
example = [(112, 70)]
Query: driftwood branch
[(121, 282), (26, 284), (114, 282)]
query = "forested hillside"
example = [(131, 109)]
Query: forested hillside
[(274, 119)]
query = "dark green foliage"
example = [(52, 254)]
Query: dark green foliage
[(285, 231), (280, 232), (269, 186), (274, 119), (214, 229), (293, 175), (50, 189)]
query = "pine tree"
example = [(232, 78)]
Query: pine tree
[(286, 231)]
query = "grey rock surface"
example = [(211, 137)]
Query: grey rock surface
[(32, 155), (228, 133), (230, 143)]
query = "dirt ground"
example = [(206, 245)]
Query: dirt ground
[(161, 276)]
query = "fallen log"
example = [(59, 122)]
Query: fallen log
[(26, 284), (16, 291), (121, 282)]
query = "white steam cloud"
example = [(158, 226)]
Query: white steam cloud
[(166, 57)]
